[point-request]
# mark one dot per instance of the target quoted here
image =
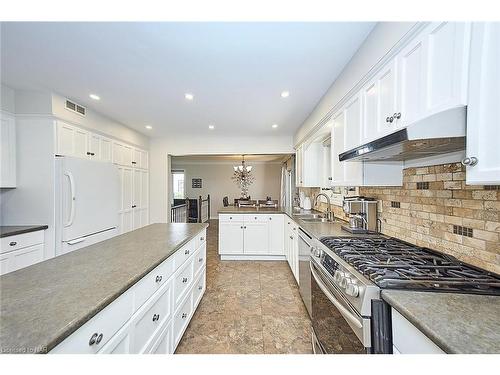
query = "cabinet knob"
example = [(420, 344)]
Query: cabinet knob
[(13, 243), (134, 206), (184, 315), (291, 237), (470, 162), (202, 238), (93, 339), (230, 218), (389, 119), (99, 339), (184, 280), (200, 287), (156, 317), (134, 162), (158, 278), (270, 218), (244, 227), (397, 116), (186, 252), (89, 153), (241, 227), (255, 217), (200, 260)]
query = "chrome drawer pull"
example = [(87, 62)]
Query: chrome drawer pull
[(93, 338), (156, 317), (13, 243), (184, 315), (184, 280), (159, 278), (200, 260), (186, 252), (200, 287), (99, 339)]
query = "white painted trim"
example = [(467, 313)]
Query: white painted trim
[(252, 257), (419, 26), (248, 162)]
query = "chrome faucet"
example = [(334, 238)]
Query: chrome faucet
[(329, 213)]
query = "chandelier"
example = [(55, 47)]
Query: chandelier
[(243, 177)]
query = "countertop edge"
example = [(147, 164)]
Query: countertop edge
[(29, 229), (427, 331), (70, 329)]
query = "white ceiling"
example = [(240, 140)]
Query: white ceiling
[(141, 71)]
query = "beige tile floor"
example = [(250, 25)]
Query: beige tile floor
[(249, 307)]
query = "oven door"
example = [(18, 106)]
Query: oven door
[(338, 328)]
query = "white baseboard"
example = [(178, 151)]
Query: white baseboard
[(252, 257)]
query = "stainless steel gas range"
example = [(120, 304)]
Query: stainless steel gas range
[(347, 274)]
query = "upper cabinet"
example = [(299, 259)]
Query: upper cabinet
[(7, 151), (313, 161), (77, 142), (483, 112)]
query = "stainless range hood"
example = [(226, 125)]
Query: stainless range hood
[(438, 134)]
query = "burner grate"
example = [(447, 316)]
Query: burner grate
[(391, 263)]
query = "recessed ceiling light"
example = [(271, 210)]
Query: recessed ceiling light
[(189, 96), (274, 126), (285, 94), (211, 127), (149, 127), (95, 97)]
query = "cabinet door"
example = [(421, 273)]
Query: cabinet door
[(446, 68), (94, 146), (7, 152), (299, 161), (72, 141), (371, 111), (127, 155), (337, 148), (81, 143), (256, 238), (276, 234), (164, 343), (353, 172), (145, 160), (387, 99), (136, 157), (127, 219), (411, 64), (483, 111), (105, 151), (117, 153), (231, 238), (144, 189)]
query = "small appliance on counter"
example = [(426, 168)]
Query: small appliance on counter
[(362, 213), (307, 203)]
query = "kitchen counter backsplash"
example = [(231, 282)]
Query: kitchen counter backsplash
[(436, 209)]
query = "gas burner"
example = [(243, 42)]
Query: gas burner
[(395, 264)]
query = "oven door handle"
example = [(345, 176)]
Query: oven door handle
[(345, 313)]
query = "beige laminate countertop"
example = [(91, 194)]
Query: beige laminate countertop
[(43, 304)]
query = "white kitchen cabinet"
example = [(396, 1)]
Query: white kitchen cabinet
[(72, 140), (483, 111), (134, 209), (21, 251), (379, 103), (292, 246), (99, 147), (408, 339), (7, 151), (256, 238), (259, 235), (231, 236), (276, 234), (136, 322), (299, 166)]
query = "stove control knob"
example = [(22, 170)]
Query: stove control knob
[(316, 252), (338, 276), (352, 289), (344, 281)]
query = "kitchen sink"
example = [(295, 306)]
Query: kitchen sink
[(309, 216), (316, 220)]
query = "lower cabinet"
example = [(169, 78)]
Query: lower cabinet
[(408, 339), (21, 251), (292, 246), (153, 314), (257, 235)]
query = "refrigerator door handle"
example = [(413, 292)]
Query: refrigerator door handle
[(72, 194), (74, 242)]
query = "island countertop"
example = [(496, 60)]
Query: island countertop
[(43, 304), (14, 230), (457, 323)]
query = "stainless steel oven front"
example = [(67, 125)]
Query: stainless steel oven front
[(337, 326)]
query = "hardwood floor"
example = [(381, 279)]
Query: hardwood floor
[(249, 307)]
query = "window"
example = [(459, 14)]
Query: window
[(178, 184)]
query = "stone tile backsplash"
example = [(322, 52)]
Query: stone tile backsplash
[(444, 214)]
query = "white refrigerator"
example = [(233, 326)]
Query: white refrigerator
[(87, 195)]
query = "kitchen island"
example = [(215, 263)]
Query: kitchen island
[(44, 304)]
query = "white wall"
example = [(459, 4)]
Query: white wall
[(7, 99), (216, 181), (380, 41), (198, 145)]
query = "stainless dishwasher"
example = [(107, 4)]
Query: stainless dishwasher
[(305, 247)]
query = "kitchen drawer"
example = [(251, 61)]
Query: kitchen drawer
[(199, 289), (200, 258), (150, 283), (258, 218), (151, 318), (94, 334), (184, 253), (200, 239), (20, 241), (183, 279), (163, 341), (119, 343), (182, 317), (231, 218), (21, 258)]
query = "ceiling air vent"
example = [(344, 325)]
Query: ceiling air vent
[(77, 108)]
